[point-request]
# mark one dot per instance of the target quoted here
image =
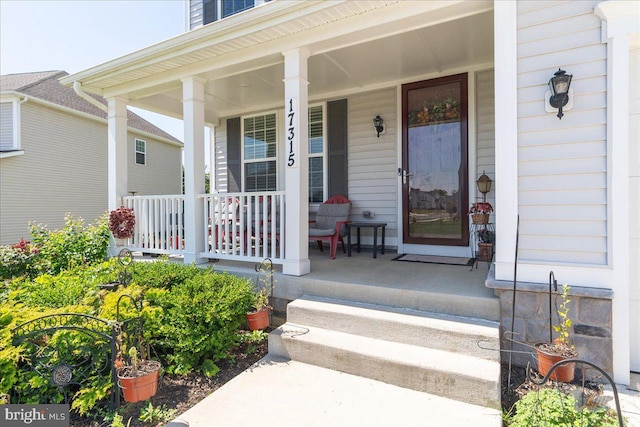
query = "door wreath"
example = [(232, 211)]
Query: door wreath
[(122, 222)]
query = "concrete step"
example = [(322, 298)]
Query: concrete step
[(473, 337), (455, 376), (448, 356)]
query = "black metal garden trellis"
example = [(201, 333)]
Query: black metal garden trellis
[(547, 377), (66, 360), (69, 349)]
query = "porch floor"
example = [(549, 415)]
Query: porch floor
[(449, 289)]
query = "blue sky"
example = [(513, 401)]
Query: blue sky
[(74, 35)]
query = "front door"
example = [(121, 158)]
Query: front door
[(434, 161)]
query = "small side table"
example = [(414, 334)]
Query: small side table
[(375, 225)]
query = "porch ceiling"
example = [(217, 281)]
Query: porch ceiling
[(241, 59)]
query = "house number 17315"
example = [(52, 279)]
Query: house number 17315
[(291, 135)]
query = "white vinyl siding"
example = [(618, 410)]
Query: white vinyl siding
[(162, 173), (373, 177), (8, 126), (220, 158), (64, 171), (485, 132), (195, 14), (562, 165)]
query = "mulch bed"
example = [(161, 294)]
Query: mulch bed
[(181, 392)]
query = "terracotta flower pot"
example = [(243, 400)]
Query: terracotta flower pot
[(563, 373), (143, 387), (258, 319)]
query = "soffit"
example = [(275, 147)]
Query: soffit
[(353, 45)]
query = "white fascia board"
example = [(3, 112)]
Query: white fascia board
[(222, 30), (250, 23), (341, 34), (11, 95)]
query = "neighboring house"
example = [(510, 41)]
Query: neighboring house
[(290, 90), (53, 155)]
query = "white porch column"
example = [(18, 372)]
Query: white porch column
[(296, 99), (117, 151), (620, 20), (193, 111), (506, 138)]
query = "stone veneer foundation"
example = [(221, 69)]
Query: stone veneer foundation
[(589, 309)]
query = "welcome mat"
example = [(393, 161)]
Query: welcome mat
[(435, 259)]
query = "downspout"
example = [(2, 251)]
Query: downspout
[(77, 88)]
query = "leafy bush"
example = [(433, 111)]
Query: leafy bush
[(18, 260), (75, 244), (191, 319), (551, 407), (196, 320)]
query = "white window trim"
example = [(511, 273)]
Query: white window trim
[(17, 140), (135, 152), (266, 159), (325, 161)]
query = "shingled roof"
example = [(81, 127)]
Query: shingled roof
[(45, 85)]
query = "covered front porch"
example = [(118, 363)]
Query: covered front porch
[(343, 63), (455, 290)]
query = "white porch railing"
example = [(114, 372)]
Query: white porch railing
[(159, 224), (237, 226), (244, 226)]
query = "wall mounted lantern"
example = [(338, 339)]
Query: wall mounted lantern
[(559, 89), (378, 123), (484, 185)]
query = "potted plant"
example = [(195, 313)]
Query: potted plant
[(560, 349), (138, 378), (480, 211), (486, 239), (258, 318)]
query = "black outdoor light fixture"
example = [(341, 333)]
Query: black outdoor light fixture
[(559, 85), (378, 124), (484, 185)]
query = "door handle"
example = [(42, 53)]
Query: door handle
[(404, 173)]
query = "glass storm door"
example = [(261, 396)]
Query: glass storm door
[(434, 162)]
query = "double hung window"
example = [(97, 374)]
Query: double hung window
[(141, 152), (260, 153), (9, 129), (316, 154)]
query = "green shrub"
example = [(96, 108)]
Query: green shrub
[(18, 260), (191, 319), (196, 320), (74, 244), (551, 407)]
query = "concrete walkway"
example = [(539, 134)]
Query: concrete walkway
[(277, 392)]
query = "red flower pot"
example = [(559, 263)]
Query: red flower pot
[(258, 319), (563, 373), (143, 387)]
